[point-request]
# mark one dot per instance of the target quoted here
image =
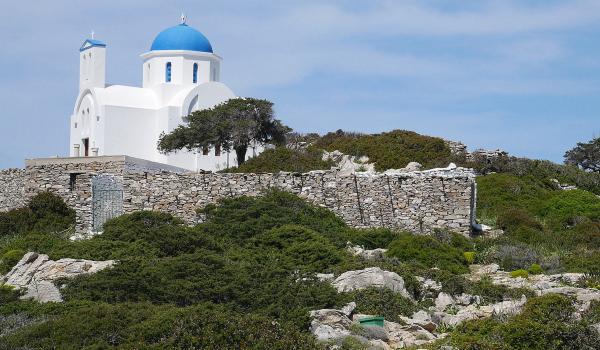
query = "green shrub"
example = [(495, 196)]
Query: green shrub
[(511, 256), (494, 293), (567, 207), (45, 212), (498, 192), (242, 218), (541, 170), (428, 251), (550, 308), (512, 219), (284, 159), (161, 231), (10, 259), (8, 294), (371, 238), (381, 302), (389, 150), (301, 247), (545, 323), (145, 325), (469, 257), (535, 269), (519, 273)]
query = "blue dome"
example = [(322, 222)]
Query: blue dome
[(181, 37)]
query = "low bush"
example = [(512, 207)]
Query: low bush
[(568, 208), (10, 259), (389, 150), (45, 211), (545, 323), (381, 302), (372, 238), (519, 273), (301, 247), (541, 170), (494, 293), (144, 325), (469, 257), (428, 251), (511, 256), (284, 159), (535, 269)]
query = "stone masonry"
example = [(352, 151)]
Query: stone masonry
[(12, 188), (415, 201)]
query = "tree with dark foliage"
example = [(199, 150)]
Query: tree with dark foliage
[(585, 155), (232, 125)]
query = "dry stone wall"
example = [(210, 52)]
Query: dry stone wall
[(418, 201), (12, 189), (415, 201)]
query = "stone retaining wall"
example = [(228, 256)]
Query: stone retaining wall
[(12, 189), (414, 201)]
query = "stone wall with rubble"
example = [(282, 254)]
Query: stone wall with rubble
[(12, 189), (417, 201), (70, 180), (413, 201)]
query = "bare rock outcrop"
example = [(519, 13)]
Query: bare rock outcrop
[(367, 254), (35, 274), (370, 277)]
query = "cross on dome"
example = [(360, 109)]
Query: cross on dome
[(183, 18)]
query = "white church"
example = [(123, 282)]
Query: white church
[(180, 75)]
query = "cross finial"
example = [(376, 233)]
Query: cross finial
[(92, 34), (183, 18)]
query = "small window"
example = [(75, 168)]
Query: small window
[(72, 182), (204, 151), (75, 125), (195, 78), (88, 111), (97, 118), (217, 150), (168, 73)]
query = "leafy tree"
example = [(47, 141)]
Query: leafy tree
[(232, 125), (585, 155)]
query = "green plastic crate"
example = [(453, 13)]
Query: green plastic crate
[(376, 321)]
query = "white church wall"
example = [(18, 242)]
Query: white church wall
[(130, 131), (84, 126)]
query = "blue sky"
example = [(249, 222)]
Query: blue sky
[(523, 76)]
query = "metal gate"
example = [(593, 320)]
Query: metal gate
[(107, 200)]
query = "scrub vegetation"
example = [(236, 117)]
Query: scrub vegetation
[(245, 278)]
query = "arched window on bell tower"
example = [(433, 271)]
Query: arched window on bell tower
[(168, 73), (195, 77)]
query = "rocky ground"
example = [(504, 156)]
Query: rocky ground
[(36, 274), (430, 324)]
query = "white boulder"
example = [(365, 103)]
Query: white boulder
[(36, 273), (370, 277)]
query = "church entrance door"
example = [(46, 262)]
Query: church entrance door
[(86, 147)]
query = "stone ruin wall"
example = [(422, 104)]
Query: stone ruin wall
[(12, 189), (72, 182), (418, 202)]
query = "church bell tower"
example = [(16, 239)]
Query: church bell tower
[(92, 64)]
